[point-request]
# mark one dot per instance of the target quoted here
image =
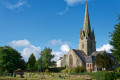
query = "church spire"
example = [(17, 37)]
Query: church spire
[(87, 38), (80, 32), (86, 25)]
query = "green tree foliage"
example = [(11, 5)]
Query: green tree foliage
[(115, 40), (45, 59), (39, 64), (75, 70), (99, 61), (10, 59), (79, 69), (31, 62), (108, 62), (103, 61)]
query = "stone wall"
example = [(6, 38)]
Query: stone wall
[(76, 60)]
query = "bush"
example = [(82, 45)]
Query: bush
[(79, 69), (70, 70), (56, 69), (46, 70), (118, 69), (110, 76), (64, 71), (18, 70)]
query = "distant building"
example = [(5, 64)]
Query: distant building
[(86, 52), (61, 62)]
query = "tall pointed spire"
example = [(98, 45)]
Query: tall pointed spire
[(87, 38), (80, 32), (86, 25)]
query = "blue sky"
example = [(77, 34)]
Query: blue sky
[(31, 25)]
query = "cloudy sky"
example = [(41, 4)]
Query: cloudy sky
[(31, 25)]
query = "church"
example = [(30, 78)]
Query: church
[(86, 52)]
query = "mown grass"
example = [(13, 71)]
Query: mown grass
[(97, 75), (42, 76), (11, 78), (94, 75)]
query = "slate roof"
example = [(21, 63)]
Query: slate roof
[(80, 54), (89, 59), (97, 52)]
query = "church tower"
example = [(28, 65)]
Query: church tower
[(87, 38)]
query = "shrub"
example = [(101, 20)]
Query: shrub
[(118, 69), (65, 71), (46, 70), (70, 70), (18, 70), (79, 69), (110, 76), (56, 69)]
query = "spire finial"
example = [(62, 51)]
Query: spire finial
[(86, 25)]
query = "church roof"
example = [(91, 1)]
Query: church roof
[(97, 52), (89, 59), (80, 54)]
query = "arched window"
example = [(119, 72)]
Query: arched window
[(70, 60)]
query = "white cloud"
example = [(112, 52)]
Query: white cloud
[(56, 53), (57, 42), (74, 2), (27, 51), (20, 43), (28, 48), (71, 3), (16, 5), (106, 47), (63, 11), (65, 48)]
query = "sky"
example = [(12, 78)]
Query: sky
[(31, 25)]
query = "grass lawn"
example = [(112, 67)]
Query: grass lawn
[(11, 78), (59, 76), (97, 75), (47, 76)]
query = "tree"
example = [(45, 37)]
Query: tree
[(99, 60), (108, 62), (45, 59), (115, 40), (39, 64), (31, 62), (10, 59), (103, 61)]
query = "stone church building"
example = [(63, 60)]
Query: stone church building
[(86, 52)]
